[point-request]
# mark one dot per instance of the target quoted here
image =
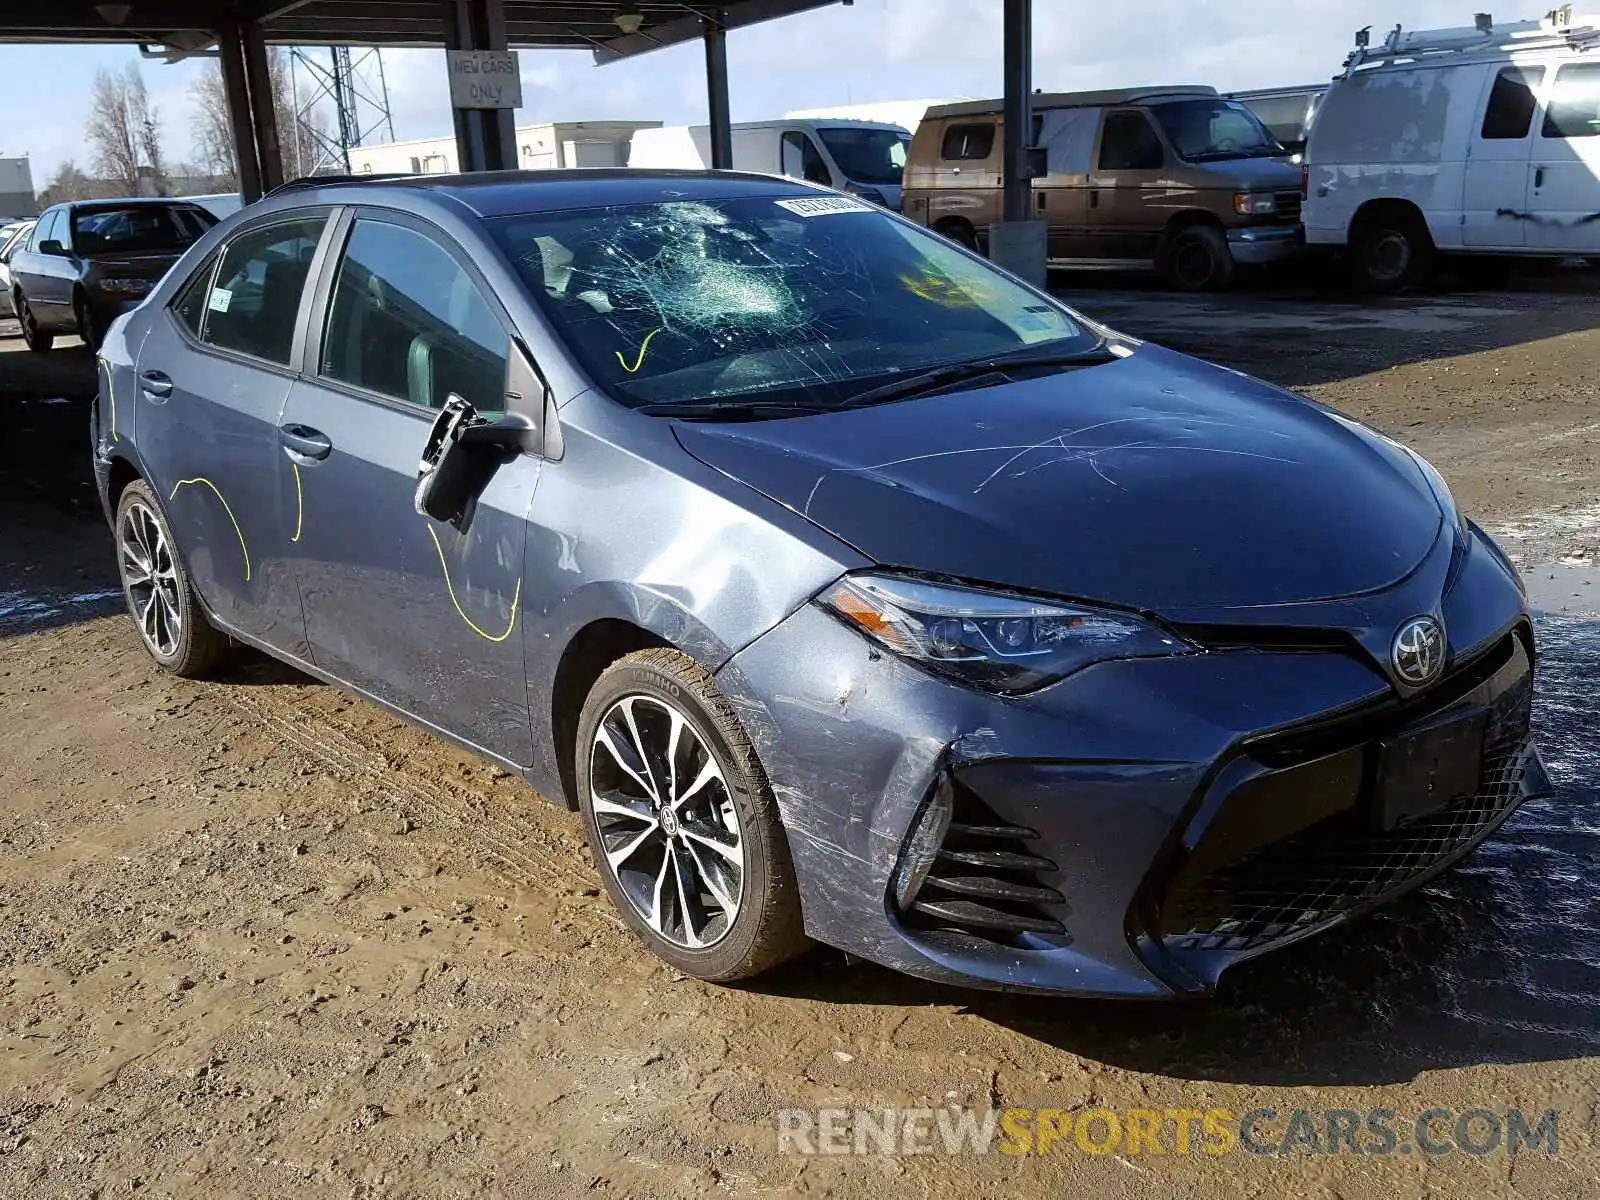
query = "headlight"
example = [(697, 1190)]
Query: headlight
[(125, 287), (999, 642), (1251, 204)]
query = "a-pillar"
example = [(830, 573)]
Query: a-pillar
[(486, 138)]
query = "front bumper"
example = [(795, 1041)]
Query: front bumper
[(1257, 245), (1141, 826)]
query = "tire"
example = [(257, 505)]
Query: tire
[(959, 232), (640, 839), (88, 330), (163, 605), (1390, 252), (32, 336), (1197, 259)]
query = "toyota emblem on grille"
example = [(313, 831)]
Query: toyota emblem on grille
[(1418, 650)]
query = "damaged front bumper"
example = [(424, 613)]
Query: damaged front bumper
[(1136, 829)]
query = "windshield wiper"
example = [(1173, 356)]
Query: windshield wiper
[(970, 372), (728, 410)]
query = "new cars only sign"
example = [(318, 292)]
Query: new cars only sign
[(484, 79)]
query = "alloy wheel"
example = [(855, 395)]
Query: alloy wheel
[(151, 578), (667, 824)]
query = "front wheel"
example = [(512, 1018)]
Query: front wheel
[(682, 822), (1198, 260), (160, 597)]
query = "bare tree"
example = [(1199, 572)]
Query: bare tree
[(212, 131), (69, 183), (124, 131)]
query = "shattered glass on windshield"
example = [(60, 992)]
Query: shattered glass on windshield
[(693, 300)]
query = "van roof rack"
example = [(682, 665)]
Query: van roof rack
[(1559, 29)]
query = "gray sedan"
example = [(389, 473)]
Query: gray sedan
[(849, 588)]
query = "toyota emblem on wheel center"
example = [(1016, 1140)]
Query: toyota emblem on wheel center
[(1418, 650)]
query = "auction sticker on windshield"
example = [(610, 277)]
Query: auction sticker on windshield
[(824, 206)]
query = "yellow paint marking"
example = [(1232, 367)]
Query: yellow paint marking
[(516, 596), (245, 550), (299, 502), (643, 349)]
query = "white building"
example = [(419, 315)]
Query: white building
[(16, 188), (539, 147)]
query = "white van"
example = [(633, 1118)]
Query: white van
[(863, 157), (1478, 140)]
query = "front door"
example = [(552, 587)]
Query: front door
[(421, 614), (1564, 195), (1495, 181), (966, 178), (1127, 190), (219, 362)]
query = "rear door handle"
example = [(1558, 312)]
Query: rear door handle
[(304, 441), (1041, 196), (1538, 177), (156, 384)]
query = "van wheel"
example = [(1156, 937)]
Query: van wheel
[(1197, 259), (959, 232), (682, 823), (1390, 251)]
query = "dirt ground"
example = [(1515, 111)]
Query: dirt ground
[(259, 938)]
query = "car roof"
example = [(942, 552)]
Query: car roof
[(513, 193), (132, 202)]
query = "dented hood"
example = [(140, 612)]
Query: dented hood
[(1157, 482)]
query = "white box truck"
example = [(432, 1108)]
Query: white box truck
[(866, 158)]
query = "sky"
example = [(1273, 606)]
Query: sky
[(874, 50)]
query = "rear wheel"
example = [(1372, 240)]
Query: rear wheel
[(160, 598), (682, 822), (1197, 259), (1390, 251), (88, 330), (32, 336)]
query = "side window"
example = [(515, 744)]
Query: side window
[(1509, 114), (253, 302), (1128, 142), (407, 321), (1574, 110), (967, 143), (190, 306), (802, 159), (45, 229)]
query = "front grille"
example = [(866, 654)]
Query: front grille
[(985, 878), (1288, 206), (1318, 875)]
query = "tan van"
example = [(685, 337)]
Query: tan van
[(1176, 178)]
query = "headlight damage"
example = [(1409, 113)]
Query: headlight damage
[(1000, 642)]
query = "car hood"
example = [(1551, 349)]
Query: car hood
[(1259, 174), (1158, 482)]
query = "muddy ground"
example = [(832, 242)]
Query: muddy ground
[(258, 938)]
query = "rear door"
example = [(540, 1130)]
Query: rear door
[(213, 374), (1495, 182), (1564, 195), (418, 613), (47, 278)]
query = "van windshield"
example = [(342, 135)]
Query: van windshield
[(1212, 130), (867, 155), (798, 299)]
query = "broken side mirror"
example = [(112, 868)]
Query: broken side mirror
[(461, 455)]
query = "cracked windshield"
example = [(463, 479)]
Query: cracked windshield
[(809, 300)]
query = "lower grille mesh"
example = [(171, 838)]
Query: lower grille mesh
[(1302, 882)]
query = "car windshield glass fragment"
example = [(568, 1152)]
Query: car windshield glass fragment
[(1202, 130), (144, 227), (805, 299), (867, 155)]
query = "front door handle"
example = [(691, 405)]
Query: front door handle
[(304, 441), (156, 384), (1538, 177), (1094, 198), (1041, 196)]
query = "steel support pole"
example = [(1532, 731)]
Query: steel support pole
[(231, 53), (486, 138), (1018, 108), (716, 39), (263, 109)]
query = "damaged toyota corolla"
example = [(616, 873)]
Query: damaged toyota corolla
[(850, 589)]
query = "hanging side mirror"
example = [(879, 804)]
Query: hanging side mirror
[(461, 455)]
